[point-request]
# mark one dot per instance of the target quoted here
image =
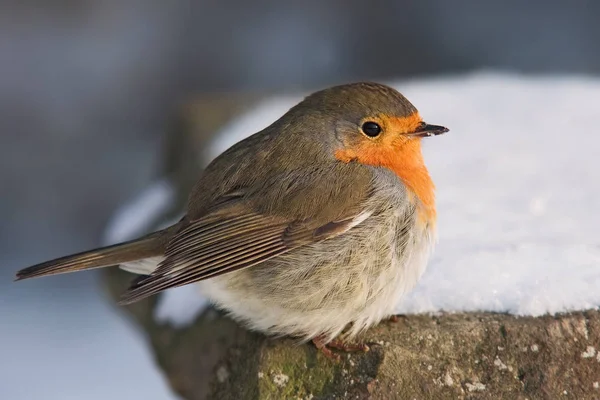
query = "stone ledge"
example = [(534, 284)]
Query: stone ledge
[(474, 355)]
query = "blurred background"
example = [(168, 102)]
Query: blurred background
[(88, 90)]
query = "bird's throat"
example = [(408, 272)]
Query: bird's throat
[(406, 161), (410, 168)]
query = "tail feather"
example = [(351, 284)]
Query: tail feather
[(151, 245)]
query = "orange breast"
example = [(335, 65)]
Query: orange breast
[(413, 172)]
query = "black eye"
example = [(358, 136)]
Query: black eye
[(371, 129)]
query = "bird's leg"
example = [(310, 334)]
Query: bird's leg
[(341, 344), (320, 344), (395, 318), (338, 344)]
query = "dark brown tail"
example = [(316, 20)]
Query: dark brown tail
[(151, 245)]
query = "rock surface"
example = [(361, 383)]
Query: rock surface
[(463, 356)]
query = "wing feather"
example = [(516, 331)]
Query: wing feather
[(228, 239)]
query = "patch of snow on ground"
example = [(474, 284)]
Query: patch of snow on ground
[(135, 218), (180, 306)]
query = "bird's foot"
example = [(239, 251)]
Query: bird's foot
[(338, 344), (320, 344), (348, 347), (395, 318)]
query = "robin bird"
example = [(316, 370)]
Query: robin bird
[(312, 228)]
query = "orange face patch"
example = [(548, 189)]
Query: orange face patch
[(400, 154), (400, 125)]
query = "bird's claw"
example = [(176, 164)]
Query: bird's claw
[(337, 344), (396, 318), (348, 346)]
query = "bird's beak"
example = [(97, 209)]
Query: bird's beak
[(426, 130)]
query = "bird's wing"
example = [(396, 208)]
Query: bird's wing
[(230, 237)]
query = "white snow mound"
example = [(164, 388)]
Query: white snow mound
[(518, 190)]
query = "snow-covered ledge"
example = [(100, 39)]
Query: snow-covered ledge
[(508, 305)]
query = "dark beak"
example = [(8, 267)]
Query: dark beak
[(426, 130)]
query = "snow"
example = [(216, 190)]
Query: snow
[(136, 218), (518, 184), (180, 306)]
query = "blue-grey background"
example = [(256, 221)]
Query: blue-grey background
[(86, 92)]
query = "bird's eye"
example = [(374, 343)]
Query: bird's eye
[(371, 129)]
